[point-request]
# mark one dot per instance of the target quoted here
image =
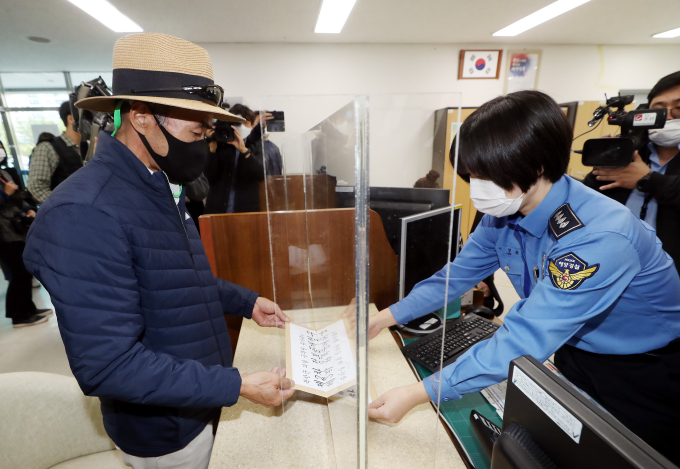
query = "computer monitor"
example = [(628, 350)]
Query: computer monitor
[(394, 203), (562, 422), (424, 248)]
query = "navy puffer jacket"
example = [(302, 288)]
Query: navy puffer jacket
[(139, 310)]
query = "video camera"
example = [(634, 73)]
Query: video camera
[(224, 132), (89, 123), (618, 151)]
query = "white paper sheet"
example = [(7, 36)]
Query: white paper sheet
[(322, 360)]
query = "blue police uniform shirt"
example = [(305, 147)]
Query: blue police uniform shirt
[(604, 285), (636, 198)]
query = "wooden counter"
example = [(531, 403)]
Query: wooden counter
[(311, 432)]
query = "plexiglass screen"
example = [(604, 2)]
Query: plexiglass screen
[(357, 212)]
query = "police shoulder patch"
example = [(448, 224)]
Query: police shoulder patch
[(563, 221), (569, 271)]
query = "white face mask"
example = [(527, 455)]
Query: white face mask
[(669, 136), (3, 155), (244, 131), (488, 198)]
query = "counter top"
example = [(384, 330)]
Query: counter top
[(312, 432)]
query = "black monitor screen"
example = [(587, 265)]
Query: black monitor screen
[(425, 245)]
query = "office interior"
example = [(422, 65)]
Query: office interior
[(341, 233)]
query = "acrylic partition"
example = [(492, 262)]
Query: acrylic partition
[(338, 181)]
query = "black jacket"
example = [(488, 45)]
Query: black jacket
[(665, 189), (249, 172)]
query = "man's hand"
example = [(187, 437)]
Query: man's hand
[(267, 388), (264, 117), (238, 141), (11, 188), (395, 403), (623, 177), (266, 313), (30, 213)]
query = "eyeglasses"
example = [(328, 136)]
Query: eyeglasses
[(211, 93)]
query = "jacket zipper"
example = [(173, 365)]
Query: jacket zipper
[(179, 214)]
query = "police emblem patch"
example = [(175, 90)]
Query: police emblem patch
[(564, 221), (569, 271)]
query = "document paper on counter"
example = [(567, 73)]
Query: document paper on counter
[(320, 361)]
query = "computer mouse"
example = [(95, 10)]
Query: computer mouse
[(482, 311)]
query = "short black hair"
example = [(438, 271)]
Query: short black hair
[(515, 139), (64, 112), (663, 85)]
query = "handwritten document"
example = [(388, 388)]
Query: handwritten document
[(321, 361)]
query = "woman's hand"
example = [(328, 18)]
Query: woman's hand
[(379, 322), (395, 403)]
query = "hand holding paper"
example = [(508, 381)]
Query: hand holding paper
[(266, 313)]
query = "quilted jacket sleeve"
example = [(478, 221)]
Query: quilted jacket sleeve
[(236, 300), (84, 260)]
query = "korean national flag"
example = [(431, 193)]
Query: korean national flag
[(480, 64)]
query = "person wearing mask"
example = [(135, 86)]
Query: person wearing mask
[(140, 313), (650, 185), (52, 161), (235, 169), (596, 288), (15, 218)]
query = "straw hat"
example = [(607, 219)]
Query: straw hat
[(152, 61)]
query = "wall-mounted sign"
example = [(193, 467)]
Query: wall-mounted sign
[(522, 70), (479, 64)]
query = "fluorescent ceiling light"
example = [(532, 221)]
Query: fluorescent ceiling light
[(540, 16), (108, 15), (668, 34), (333, 15)]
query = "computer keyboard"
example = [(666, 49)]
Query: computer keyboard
[(461, 334)]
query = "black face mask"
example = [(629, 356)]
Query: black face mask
[(184, 162)]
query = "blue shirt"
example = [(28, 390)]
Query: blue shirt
[(636, 198), (604, 286)]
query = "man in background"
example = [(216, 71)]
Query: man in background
[(650, 185), (54, 160)]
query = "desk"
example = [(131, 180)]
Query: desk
[(311, 432)]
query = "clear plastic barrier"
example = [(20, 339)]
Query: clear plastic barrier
[(335, 211)]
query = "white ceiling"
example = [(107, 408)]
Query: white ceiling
[(79, 42)]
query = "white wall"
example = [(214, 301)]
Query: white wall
[(567, 73)]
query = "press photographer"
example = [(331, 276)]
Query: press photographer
[(235, 165), (650, 185)]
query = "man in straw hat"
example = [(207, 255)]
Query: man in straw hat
[(140, 312)]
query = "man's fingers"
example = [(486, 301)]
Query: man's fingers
[(609, 186), (287, 394), (636, 156), (275, 369), (287, 383)]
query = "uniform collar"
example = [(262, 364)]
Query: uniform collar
[(537, 221), (123, 163)]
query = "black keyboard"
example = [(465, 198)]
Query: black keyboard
[(461, 334)]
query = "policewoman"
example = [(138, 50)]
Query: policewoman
[(596, 288)]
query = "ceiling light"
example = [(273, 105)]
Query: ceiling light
[(668, 34), (108, 15), (333, 15), (540, 16)]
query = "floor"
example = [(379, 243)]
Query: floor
[(35, 348), (39, 348)]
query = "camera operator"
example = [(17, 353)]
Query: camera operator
[(650, 185), (52, 161), (235, 165)]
